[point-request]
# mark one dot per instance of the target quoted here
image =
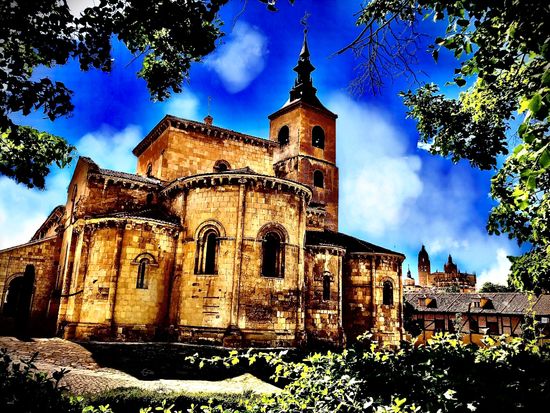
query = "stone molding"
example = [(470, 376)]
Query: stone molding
[(331, 249), (92, 224), (218, 179)]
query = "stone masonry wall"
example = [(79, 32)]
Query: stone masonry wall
[(323, 314), (265, 310), (104, 300), (364, 310), (177, 153), (44, 256)]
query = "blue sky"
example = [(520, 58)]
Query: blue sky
[(392, 193)]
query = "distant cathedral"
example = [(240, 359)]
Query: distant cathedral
[(448, 280), (219, 237)]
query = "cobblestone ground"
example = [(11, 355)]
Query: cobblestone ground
[(86, 376)]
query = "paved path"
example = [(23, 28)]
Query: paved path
[(86, 376)]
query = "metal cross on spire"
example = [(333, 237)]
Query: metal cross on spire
[(304, 22)]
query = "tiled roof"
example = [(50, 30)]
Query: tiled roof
[(502, 303), (151, 214), (351, 244), (132, 177)]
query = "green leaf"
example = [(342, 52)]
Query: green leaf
[(532, 182), (460, 81), (544, 159), (535, 103), (435, 55)]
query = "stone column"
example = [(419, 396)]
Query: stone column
[(237, 266), (113, 283)]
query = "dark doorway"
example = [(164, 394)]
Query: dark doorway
[(18, 299)]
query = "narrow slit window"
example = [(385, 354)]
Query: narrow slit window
[(272, 255), (387, 293), (326, 287), (142, 273), (207, 253)]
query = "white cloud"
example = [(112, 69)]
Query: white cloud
[(111, 149), (395, 199), (185, 105), (498, 274), (378, 179), (241, 59), (23, 210), (77, 6)]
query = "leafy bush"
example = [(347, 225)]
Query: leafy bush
[(509, 375), (512, 374), (23, 389)]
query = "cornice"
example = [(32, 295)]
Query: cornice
[(220, 179)]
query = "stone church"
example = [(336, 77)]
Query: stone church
[(220, 237), (451, 279)]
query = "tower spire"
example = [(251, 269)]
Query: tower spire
[(303, 85)]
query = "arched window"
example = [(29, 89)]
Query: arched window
[(326, 287), (149, 171), (272, 255), (206, 260), (318, 179), (221, 166), (144, 262), (284, 135), (387, 298), (318, 137), (142, 273)]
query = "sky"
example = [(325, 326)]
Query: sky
[(392, 192)]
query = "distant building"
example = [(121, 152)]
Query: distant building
[(448, 280), (476, 315)]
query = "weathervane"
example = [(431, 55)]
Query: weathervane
[(304, 23)]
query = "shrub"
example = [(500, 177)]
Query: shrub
[(23, 389)]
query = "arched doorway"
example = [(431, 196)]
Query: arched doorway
[(18, 298)]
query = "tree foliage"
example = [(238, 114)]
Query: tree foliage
[(489, 287), (443, 376), (502, 50), (168, 34)]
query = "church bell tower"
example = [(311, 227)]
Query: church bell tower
[(306, 133), (424, 267)]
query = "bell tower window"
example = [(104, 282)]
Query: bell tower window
[(318, 137), (318, 179), (284, 136)]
